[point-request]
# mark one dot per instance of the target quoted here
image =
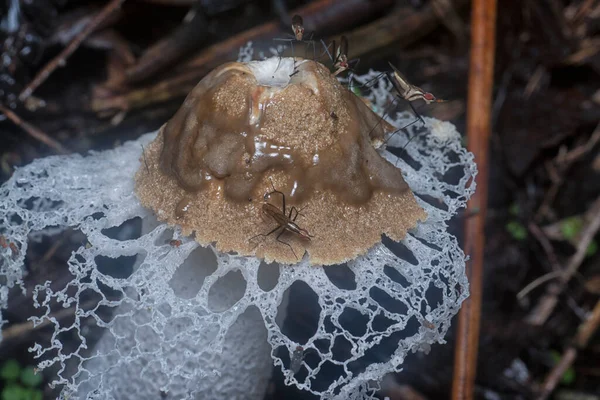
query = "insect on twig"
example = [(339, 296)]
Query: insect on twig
[(285, 223), (298, 36)]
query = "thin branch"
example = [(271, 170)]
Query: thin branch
[(587, 235), (61, 59), (560, 165), (481, 79), (584, 333), (537, 282), (546, 245), (188, 36), (542, 311), (580, 151), (401, 26), (33, 131)]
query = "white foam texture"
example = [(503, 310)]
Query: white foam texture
[(181, 317), (274, 71)]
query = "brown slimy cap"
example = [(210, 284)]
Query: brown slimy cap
[(234, 140)]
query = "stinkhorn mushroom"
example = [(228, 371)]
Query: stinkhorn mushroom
[(202, 321), (248, 129)]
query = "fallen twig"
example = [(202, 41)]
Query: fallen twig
[(587, 235), (33, 131), (481, 78), (584, 333), (542, 311), (537, 282), (579, 151), (401, 26), (61, 58), (449, 17), (187, 37), (546, 245), (560, 165), (318, 16)]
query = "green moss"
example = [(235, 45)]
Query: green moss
[(356, 91), (569, 376), (20, 383), (10, 370), (12, 392), (571, 227), (516, 230), (592, 249), (30, 378)]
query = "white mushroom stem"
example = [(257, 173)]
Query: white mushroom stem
[(244, 366)]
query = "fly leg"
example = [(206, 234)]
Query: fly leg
[(286, 243), (277, 191), (266, 234), (418, 118), (416, 113), (282, 199), (356, 61), (309, 42), (279, 51), (372, 81), (327, 50), (387, 110), (291, 41), (297, 212)]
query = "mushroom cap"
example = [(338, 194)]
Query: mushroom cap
[(243, 132)]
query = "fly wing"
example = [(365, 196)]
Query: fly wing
[(400, 83), (344, 46)]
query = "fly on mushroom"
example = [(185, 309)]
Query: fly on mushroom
[(285, 223), (298, 36), (340, 62), (307, 150), (405, 91), (410, 92)]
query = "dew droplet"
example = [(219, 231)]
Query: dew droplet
[(182, 207)]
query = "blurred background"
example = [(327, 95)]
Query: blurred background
[(88, 75)]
